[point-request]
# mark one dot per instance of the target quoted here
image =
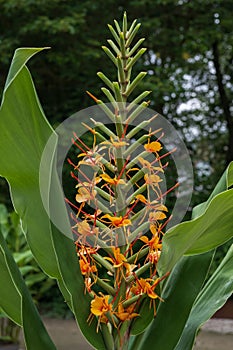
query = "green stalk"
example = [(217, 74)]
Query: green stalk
[(136, 57), (138, 191), (134, 83), (102, 127), (143, 155), (139, 272), (124, 24), (114, 34), (122, 46), (137, 111), (103, 262), (117, 26), (114, 47), (136, 46), (110, 97), (133, 147), (144, 227), (141, 126), (138, 99), (108, 82), (108, 339), (110, 55), (131, 28), (132, 34), (102, 193), (106, 110), (137, 256), (135, 179), (110, 290), (132, 300)]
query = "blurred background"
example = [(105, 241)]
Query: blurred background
[(189, 61)]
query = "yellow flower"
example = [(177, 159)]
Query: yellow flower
[(142, 198), (85, 267), (119, 259), (155, 247), (100, 305), (154, 146), (115, 143), (143, 286), (148, 165), (85, 194), (151, 179), (116, 221), (112, 181), (126, 314), (153, 243), (157, 215), (84, 229)]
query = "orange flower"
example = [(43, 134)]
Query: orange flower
[(126, 314), (142, 198), (154, 146), (151, 179), (100, 305), (85, 267), (85, 194), (155, 247), (148, 165), (143, 286), (110, 181), (84, 229), (153, 256), (153, 243), (116, 221), (157, 215), (119, 259), (115, 143)]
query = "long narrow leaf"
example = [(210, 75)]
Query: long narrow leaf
[(17, 303), (223, 184), (179, 294), (212, 297), (24, 132), (199, 235)]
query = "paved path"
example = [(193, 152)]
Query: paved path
[(216, 334)]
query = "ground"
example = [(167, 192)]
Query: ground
[(216, 334)]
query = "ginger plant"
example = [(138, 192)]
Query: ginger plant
[(129, 284), (125, 237)]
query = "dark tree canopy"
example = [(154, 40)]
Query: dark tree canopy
[(189, 61)]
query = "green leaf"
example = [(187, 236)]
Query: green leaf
[(23, 257), (211, 298), (179, 294), (146, 313), (3, 214), (35, 278), (199, 235), (4, 222), (20, 164), (17, 303), (20, 157), (224, 183), (26, 269)]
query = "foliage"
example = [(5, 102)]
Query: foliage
[(181, 37), (186, 261), (11, 229), (37, 282)]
